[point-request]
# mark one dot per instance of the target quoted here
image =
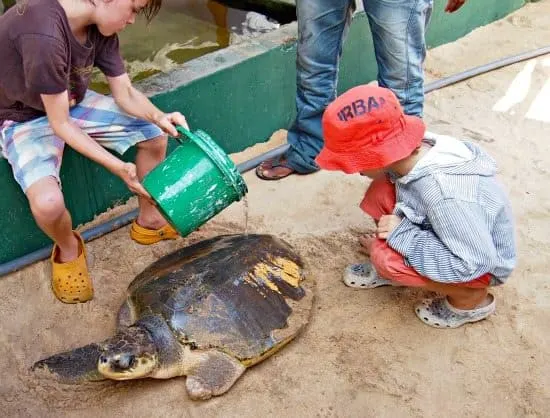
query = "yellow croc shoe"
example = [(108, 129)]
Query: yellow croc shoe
[(71, 282), (147, 236)]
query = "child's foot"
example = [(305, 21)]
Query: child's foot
[(147, 236), (439, 313), (71, 281), (68, 254), (363, 276), (151, 221), (366, 241)]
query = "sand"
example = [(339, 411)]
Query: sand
[(364, 353)]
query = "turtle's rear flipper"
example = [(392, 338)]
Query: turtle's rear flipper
[(78, 365)]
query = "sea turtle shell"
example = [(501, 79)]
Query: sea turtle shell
[(246, 295)]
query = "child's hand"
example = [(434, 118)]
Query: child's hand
[(128, 174), (167, 122), (386, 225), (366, 242)]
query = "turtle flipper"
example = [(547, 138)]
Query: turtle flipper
[(213, 374), (78, 365)]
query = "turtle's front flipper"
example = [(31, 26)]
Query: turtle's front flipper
[(73, 366), (212, 373)]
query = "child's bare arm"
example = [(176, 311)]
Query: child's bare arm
[(57, 110), (135, 103)]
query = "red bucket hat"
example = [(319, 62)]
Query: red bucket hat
[(365, 129)]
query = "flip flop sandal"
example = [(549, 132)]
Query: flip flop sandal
[(439, 313), (71, 282), (364, 276), (146, 236), (275, 162)]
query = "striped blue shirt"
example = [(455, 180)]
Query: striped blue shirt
[(457, 222)]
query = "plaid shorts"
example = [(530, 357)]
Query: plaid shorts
[(34, 152)]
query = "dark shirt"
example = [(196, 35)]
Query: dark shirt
[(39, 54)]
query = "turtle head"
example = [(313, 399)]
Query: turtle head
[(130, 354)]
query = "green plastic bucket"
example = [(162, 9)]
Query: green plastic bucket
[(195, 182)]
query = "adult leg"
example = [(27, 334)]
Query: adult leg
[(398, 30), (322, 27)]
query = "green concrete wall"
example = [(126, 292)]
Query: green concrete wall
[(239, 95)]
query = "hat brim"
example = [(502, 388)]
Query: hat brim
[(392, 149)]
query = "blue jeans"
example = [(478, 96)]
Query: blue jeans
[(398, 29)]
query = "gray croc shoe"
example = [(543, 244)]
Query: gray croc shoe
[(439, 313), (363, 276)]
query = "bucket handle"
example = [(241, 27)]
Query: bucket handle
[(184, 132)]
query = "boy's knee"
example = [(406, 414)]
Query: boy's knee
[(379, 199), (155, 145), (47, 206), (379, 259), (386, 261)]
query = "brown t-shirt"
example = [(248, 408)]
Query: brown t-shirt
[(40, 55)]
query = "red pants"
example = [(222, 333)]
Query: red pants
[(380, 200)]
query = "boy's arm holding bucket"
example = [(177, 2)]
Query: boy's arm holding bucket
[(135, 103)]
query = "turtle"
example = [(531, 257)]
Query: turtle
[(207, 311)]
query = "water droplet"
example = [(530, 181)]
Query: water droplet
[(245, 206)]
